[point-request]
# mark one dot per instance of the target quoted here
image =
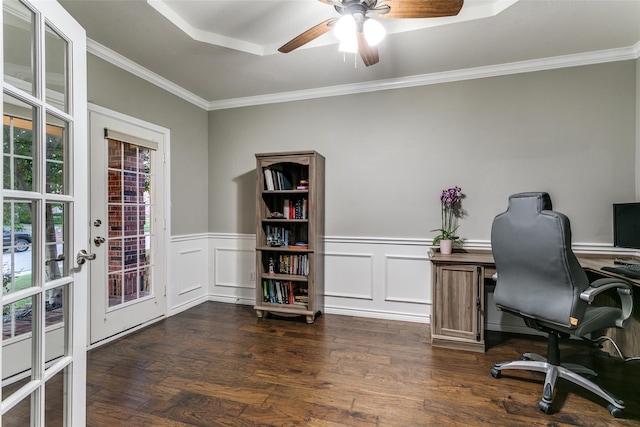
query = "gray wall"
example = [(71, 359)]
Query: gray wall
[(113, 88), (571, 132)]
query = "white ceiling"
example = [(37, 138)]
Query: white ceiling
[(259, 27), (226, 50)]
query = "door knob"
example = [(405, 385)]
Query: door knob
[(84, 256)]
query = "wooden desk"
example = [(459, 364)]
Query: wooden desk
[(458, 313)]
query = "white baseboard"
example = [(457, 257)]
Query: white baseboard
[(377, 315), (231, 300), (187, 305)]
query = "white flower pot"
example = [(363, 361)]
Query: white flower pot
[(446, 247)]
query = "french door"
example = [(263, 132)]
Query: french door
[(128, 225), (45, 204)]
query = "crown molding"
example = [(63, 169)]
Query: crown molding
[(589, 58), (126, 64), (575, 60)]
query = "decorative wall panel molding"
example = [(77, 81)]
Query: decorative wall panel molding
[(349, 275), (238, 277), (188, 273), (388, 278), (189, 262), (400, 279)]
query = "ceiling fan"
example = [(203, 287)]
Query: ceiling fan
[(358, 32)]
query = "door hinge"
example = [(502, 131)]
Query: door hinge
[(478, 303), (477, 336)]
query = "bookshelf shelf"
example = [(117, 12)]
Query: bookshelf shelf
[(290, 246), (283, 249), (284, 220), (285, 191), (293, 277)]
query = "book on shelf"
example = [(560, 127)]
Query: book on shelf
[(295, 209), (277, 236), (276, 180), (297, 265), (284, 292), (268, 180), (286, 209), (300, 245)]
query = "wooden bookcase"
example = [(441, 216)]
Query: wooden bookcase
[(290, 234)]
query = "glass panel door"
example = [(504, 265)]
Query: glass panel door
[(127, 223), (44, 200)]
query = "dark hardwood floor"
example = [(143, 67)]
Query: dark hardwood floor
[(217, 364)]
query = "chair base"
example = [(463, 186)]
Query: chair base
[(569, 372), (574, 367)]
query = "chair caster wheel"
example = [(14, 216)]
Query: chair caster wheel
[(496, 373), (615, 411), (544, 406)]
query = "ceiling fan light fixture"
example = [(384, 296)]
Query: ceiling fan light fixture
[(349, 44), (345, 27), (374, 32)]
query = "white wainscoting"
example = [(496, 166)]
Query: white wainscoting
[(365, 277), (382, 278), (232, 266), (189, 277)]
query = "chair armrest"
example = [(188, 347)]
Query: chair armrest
[(625, 292)]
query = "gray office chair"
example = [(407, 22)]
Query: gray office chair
[(540, 279)]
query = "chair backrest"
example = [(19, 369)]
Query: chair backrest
[(539, 276)]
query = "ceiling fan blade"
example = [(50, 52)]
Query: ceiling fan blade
[(420, 8), (308, 35), (369, 54)]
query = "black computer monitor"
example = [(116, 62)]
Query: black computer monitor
[(626, 225)]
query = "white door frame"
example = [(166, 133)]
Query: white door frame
[(164, 214)]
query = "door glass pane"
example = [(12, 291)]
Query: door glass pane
[(19, 415), (115, 154), (55, 264), (19, 45), (55, 306), (55, 393), (56, 315), (55, 48), (129, 226), (17, 255), (20, 323), (17, 320), (55, 155), (18, 144), (114, 288)]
